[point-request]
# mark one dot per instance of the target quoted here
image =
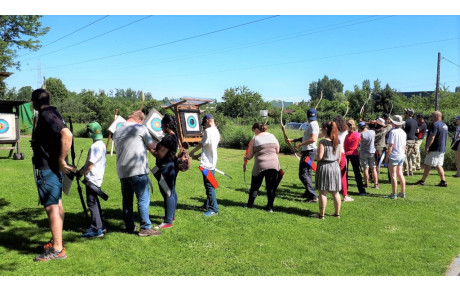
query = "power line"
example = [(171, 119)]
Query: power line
[(168, 43), (102, 34), (73, 32), (451, 62)]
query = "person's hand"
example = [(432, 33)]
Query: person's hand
[(78, 174), (65, 168), (289, 140)]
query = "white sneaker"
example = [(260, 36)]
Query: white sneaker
[(348, 199)]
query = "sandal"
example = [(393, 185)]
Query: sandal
[(317, 216), (336, 215)]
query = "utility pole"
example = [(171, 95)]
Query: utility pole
[(436, 102)]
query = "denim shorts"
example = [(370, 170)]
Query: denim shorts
[(367, 160), (49, 186), (397, 161)]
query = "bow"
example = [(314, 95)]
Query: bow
[(283, 128), (72, 152), (244, 167), (319, 99), (391, 108), (347, 110), (143, 100), (362, 108)]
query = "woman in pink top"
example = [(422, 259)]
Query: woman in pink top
[(350, 145)]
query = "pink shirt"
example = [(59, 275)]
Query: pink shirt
[(351, 143)]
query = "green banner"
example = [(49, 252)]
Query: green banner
[(26, 116)]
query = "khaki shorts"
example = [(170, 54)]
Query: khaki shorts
[(434, 159), (367, 160)]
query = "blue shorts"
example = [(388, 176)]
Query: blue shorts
[(49, 187), (396, 162)]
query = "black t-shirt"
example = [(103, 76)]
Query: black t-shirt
[(421, 130), (47, 139), (439, 130), (169, 142), (410, 127)]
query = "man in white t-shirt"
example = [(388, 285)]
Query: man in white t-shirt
[(93, 170), (208, 144), (309, 149)]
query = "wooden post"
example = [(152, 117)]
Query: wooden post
[(436, 102)]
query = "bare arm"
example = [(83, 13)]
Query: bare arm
[(389, 150), (250, 149), (312, 139), (66, 142), (160, 153), (320, 154), (429, 141)]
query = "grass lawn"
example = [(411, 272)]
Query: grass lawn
[(417, 236)]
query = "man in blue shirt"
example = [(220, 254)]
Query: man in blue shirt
[(435, 148)]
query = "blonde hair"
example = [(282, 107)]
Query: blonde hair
[(138, 115), (351, 124)]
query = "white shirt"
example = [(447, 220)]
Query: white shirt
[(312, 128), (96, 155), (209, 143), (397, 137)]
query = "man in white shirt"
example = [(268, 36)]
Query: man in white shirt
[(208, 144)]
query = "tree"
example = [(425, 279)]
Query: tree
[(58, 91), (241, 102), (25, 93), (330, 88)]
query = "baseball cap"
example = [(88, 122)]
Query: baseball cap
[(311, 114), (457, 117), (94, 130), (409, 111), (361, 124), (206, 117)]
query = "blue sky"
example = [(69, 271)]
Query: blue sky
[(275, 55)]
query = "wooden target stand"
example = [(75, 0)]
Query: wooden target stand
[(9, 128), (189, 106)]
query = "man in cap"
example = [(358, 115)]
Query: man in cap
[(309, 149), (367, 154), (457, 151), (93, 170), (208, 144), (435, 148), (410, 127), (396, 154), (419, 136)]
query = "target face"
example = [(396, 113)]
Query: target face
[(7, 127), (153, 124), (116, 124), (190, 122)]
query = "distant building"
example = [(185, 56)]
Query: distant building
[(417, 93)]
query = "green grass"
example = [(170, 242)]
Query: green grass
[(418, 236)]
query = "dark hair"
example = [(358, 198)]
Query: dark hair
[(332, 132), (41, 97), (169, 121), (260, 126), (341, 123)]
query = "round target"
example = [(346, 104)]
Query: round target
[(191, 122), (156, 124), (4, 126)]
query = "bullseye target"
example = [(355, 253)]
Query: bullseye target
[(190, 122), (153, 124), (116, 124), (7, 127)]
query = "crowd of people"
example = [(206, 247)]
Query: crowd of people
[(393, 141)]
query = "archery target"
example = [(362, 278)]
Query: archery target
[(7, 127), (153, 124), (116, 123), (190, 122)]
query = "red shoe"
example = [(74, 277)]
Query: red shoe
[(49, 245), (51, 254), (163, 226)]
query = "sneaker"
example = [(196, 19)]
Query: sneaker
[(163, 225), (402, 195), (270, 210), (392, 196), (312, 200), (149, 232), (456, 176), (348, 199), (163, 217), (411, 174), (210, 213), (93, 233), (49, 244), (420, 182), (246, 205), (363, 194), (442, 184), (406, 174), (51, 254), (89, 229), (376, 186)]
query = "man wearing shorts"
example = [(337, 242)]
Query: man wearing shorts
[(395, 157), (51, 141), (435, 148), (367, 154)]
